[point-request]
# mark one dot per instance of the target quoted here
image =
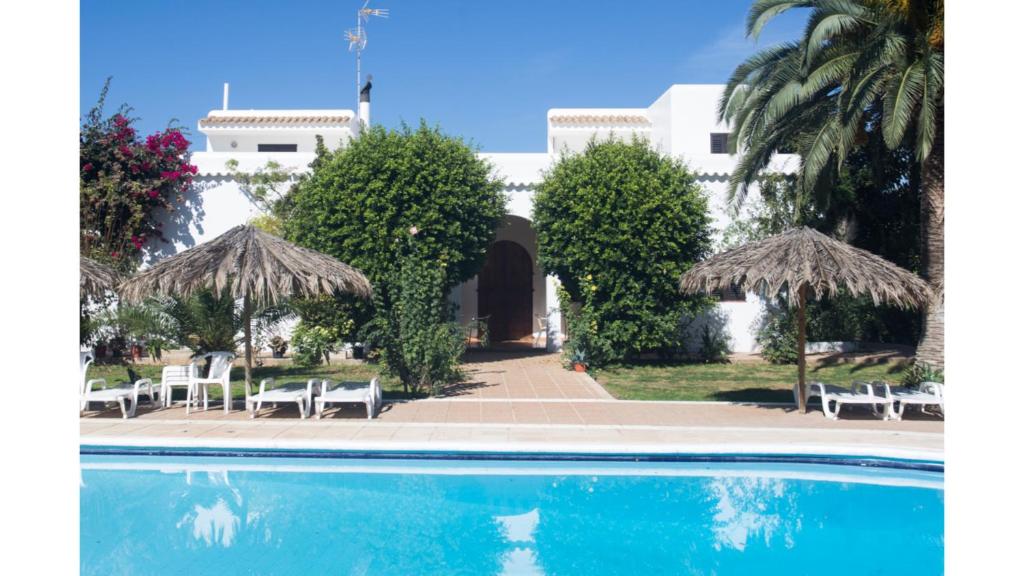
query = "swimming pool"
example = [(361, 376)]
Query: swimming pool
[(302, 513)]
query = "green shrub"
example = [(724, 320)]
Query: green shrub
[(418, 341), (359, 202), (584, 346), (714, 346), (618, 224), (312, 345), (206, 322), (777, 335), (147, 324), (920, 372)]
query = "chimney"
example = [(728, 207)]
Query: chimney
[(364, 102), (226, 90)]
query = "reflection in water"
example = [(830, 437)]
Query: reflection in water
[(519, 528), (520, 561), (215, 524), (750, 508)]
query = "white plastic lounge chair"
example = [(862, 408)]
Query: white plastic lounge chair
[(219, 375), (368, 393), (859, 393), (927, 394), (124, 393), (176, 377), (288, 392)]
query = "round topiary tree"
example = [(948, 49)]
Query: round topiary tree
[(389, 201), (359, 202), (618, 223)]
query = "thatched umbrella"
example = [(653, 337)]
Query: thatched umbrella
[(257, 267), (94, 279), (802, 260)]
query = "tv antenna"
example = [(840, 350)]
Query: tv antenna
[(356, 37)]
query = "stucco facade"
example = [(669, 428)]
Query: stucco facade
[(680, 123)]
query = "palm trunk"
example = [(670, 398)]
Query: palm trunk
[(801, 351), (247, 334), (931, 348)]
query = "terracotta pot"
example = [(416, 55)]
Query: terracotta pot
[(579, 367)]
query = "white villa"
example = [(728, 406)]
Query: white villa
[(512, 290)]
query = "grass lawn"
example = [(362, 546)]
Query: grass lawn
[(115, 373), (738, 382)]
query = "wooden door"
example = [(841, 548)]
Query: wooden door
[(505, 291)]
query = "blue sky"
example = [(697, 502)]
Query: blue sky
[(487, 71)]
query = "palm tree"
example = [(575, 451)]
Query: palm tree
[(862, 69)]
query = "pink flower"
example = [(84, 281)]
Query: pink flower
[(153, 194), (172, 175), (87, 167)]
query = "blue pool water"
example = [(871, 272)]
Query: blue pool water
[(264, 515)]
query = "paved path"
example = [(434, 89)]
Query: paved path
[(502, 375)]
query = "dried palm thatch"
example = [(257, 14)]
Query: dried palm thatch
[(251, 264), (806, 257), (254, 266), (800, 261), (94, 278)]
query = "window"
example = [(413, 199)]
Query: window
[(731, 294), (719, 142), (277, 147)]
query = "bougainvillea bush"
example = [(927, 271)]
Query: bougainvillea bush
[(125, 181)]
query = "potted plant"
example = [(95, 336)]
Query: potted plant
[(278, 346), (578, 359)]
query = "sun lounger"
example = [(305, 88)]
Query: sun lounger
[(368, 393), (860, 393), (296, 392), (927, 394), (125, 394)]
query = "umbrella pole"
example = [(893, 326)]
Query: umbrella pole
[(801, 345), (247, 332)]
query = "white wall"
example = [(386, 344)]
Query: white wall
[(679, 122)]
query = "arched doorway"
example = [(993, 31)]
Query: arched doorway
[(505, 291)]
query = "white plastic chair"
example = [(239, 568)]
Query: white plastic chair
[(288, 392), (219, 375), (176, 377), (860, 393), (368, 393), (124, 393), (927, 394), (542, 329)]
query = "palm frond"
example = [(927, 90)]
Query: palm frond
[(764, 10), (928, 116), (824, 28), (902, 96)]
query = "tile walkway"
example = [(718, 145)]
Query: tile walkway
[(504, 375)]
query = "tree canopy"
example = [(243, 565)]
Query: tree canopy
[(360, 201), (618, 223)]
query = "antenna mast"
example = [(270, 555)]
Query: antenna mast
[(357, 37)]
